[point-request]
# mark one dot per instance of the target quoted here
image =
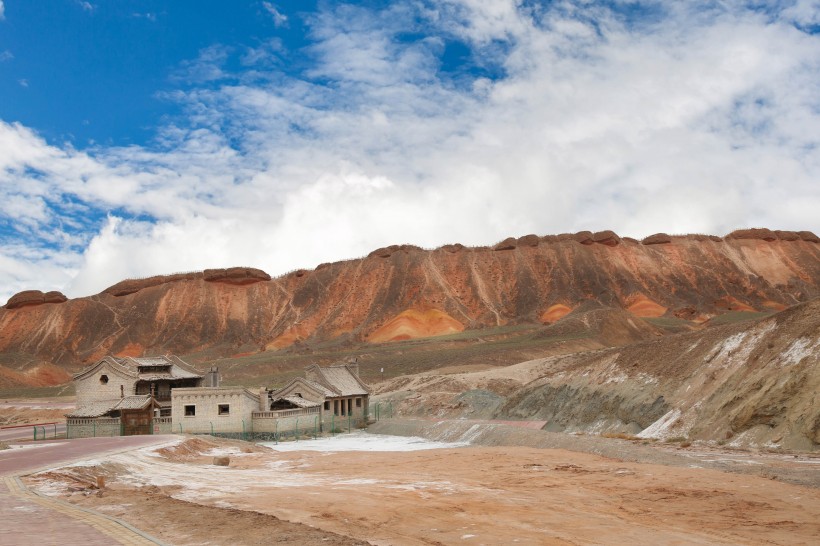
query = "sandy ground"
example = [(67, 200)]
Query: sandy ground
[(471, 495), (26, 411)]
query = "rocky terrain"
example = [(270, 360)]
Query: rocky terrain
[(499, 494), (747, 384), (404, 292)]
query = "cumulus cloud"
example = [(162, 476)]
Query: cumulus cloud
[(590, 118)]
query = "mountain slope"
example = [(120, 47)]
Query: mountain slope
[(756, 383), (403, 292)]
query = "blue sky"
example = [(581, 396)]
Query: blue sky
[(140, 138)]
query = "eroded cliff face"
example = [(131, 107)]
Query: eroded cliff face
[(403, 292)]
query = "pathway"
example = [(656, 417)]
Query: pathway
[(27, 518)]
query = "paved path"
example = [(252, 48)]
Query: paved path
[(27, 432), (30, 519)]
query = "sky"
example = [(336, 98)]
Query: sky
[(149, 137)]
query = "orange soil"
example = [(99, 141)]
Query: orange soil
[(505, 495), (774, 305), (414, 323), (132, 349), (643, 307), (733, 304), (42, 375), (555, 312), (291, 336)]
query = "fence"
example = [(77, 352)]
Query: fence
[(269, 426), (110, 426), (385, 412), (41, 432)]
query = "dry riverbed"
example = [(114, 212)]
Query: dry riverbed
[(470, 495)]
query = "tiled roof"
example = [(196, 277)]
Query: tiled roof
[(174, 373), (138, 401), (321, 388), (152, 361), (102, 407), (129, 366), (94, 409), (341, 379), (300, 402), (115, 364)]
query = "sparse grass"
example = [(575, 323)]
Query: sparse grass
[(38, 392), (733, 317), (3, 446), (671, 324), (621, 436), (498, 346)]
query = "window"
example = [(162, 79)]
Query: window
[(224, 409), (190, 411), (327, 405), (358, 402), (104, 379)]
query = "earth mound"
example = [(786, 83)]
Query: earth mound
[(609, 326), (414, 323)]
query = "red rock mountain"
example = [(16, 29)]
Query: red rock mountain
[(401, 292)]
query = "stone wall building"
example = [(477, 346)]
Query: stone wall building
[(136, 392), (325, 400), (214, 409)]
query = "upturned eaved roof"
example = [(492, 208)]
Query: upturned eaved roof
[(166, 367), (340, 379), (102, 407), (301, 382)]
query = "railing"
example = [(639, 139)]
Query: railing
[(101, 421), (285, 413)]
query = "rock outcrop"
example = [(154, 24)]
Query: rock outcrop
[(34, 297), (130, 286), (657, 239), (507, 244), (236, 275)]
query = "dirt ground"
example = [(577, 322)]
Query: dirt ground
[(11, 415), (473, 495)]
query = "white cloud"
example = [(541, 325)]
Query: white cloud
[(685, 123), (279, 19), (6, 56), (86, 6), (2, 11)]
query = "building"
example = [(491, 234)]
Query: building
[(131, 395), (337, 389), (326, 399)]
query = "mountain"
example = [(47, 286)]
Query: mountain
[(747, 384), (405, 292)]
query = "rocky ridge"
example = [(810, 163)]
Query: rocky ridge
[(403, 291)]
